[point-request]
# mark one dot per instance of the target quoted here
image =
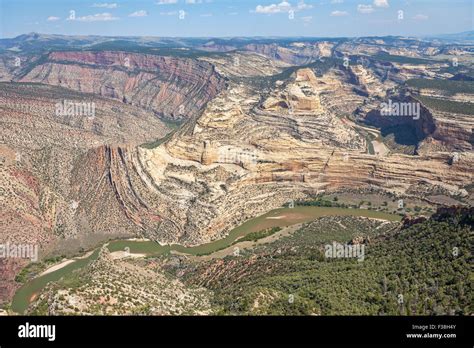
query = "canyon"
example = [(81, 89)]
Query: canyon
[(187, 145)]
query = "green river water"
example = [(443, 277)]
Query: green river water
[(276, 218)]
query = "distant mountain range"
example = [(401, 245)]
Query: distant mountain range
[(464, 36), (38, 41)]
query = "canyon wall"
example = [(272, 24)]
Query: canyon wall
[(175, 88)]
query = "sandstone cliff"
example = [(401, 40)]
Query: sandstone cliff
[(175, 88)]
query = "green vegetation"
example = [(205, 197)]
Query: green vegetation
[(171, 124), (264, 82), (33, 269), (385, 57), (320, 202), (158, 142), (71, 280), (130, 46), (450, 87), (454, 107), (254, 236), (460, 72), (22, 297), (421, 270), (27, 68), (251, 237), (29, 272)]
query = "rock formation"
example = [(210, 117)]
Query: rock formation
[(173, 87)]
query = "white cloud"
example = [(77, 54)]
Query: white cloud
[(166, 2), (339, 13), (365, 9), (53, 19), (381, 3), (233, 14), (282, 7), (337, 1), (420, 17), (105, 5), (303, 6), (98, 17), (141, 13)]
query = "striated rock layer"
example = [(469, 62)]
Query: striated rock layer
[(242, 158), (57, 181), (256, 136), (176, 88)]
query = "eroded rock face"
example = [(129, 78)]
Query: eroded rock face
[(295, 54), (242, 158), (57, 178), (176, 88), (301, 96), (244, 150)]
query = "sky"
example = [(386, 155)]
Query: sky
[(231, 18)]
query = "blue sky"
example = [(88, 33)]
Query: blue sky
[(222, 18)]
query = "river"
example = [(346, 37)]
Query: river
[(276, 218)]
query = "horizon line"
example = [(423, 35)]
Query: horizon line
[(237, 36)]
